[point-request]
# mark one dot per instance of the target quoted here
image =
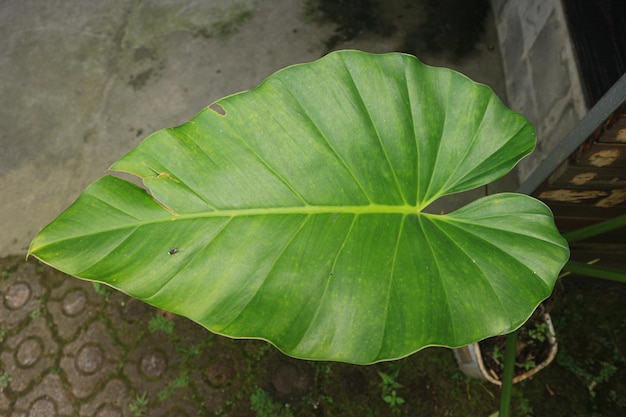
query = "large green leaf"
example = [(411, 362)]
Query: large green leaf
[(294, 213)]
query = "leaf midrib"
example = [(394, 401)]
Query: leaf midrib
[(362, 209), (249, 212)]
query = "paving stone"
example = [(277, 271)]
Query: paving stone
[(129, 318), (72, 305), (90, 360), (191, 335), (290, 379), (48, 398), (17, 295), (216, 373), (21, 293), (152, 364), (112, 401), (5, 402), (176, 411), (29, 354), (180, 402)]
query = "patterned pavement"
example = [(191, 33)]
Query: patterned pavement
[(69, 348)]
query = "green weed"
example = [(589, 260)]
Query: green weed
[(9, 270), (5, 380), (497, 354), (36, 313), (190, 352), (180, 382), (102, 290), (525, 409), (139, 405), (389, 394), (528, 365), (264, 406), (159, 323), (540, 333)]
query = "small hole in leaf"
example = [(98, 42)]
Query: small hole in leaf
[(217, 109)]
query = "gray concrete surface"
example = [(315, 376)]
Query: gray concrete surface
[(81, 82)]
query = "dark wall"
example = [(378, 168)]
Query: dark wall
[(598, 28)]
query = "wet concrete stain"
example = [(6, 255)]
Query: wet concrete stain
[(449, 26), (430, 26)]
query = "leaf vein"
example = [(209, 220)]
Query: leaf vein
[(374, 128), (329, 145)]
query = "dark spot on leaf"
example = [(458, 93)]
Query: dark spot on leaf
[(217, 109)]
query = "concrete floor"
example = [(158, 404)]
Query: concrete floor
[(82, 83)]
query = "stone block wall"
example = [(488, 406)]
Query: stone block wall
[(541, 71)]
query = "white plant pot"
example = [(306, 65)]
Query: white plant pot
[(470, 360)]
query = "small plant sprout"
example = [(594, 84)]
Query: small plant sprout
[(102, 290), (389, 394), (181, 382), (263, 405), (160, 323), (540, 333), (138, 406), (528, 365), (5, 380)]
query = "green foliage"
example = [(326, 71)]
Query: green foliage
[(525, 409), (102, 290), (5, 380), (497, 354), (296, 212), (529, 364), (36, 313), (389, 386), (592, 376), (540, 333), (160, 323), (264, 406), (259, 349), (6, 272), (593, 353), (138, 407), (187, 351), (181, 382), (318, 401)]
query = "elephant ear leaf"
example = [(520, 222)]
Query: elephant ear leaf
[(293, 212)]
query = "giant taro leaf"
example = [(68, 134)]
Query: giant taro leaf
[(293, 212)]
